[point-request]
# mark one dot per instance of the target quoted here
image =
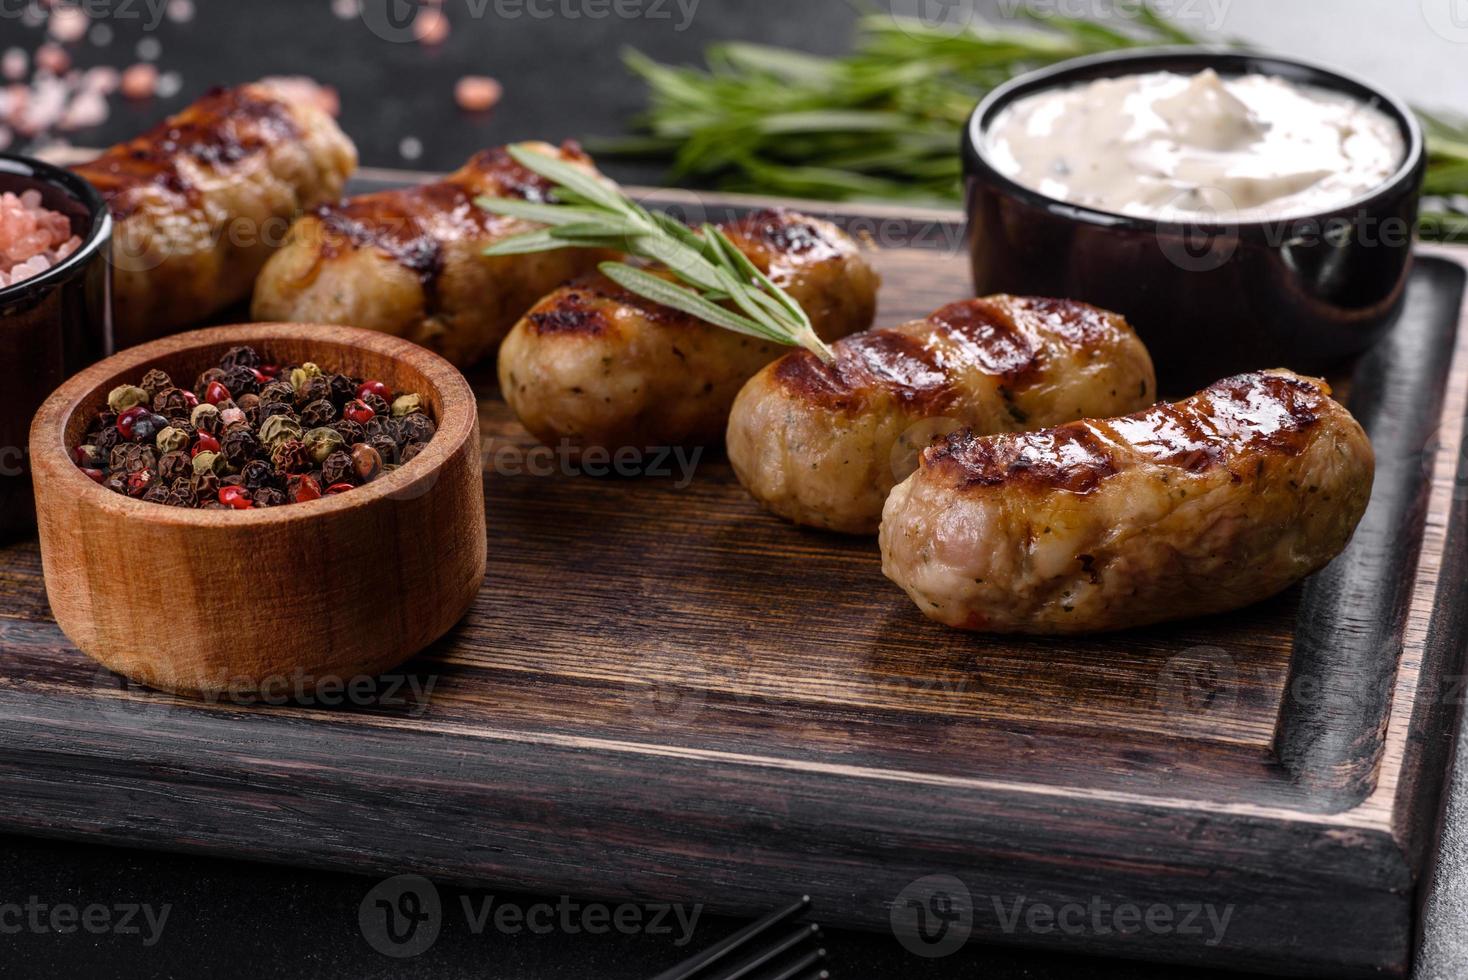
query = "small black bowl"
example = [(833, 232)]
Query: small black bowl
[(1210, 299), (51, 324)]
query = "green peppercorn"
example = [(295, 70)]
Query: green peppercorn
[(205, 418), (406, 405), (124, 397), (322, 442), (205, 462), (278, 428), (302, 375), (172, 440)]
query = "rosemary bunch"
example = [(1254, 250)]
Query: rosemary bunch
[(712, 279), (882, 123)]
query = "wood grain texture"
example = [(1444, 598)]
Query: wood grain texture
[(662, 691), (303, 594)]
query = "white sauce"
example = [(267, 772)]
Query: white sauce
[(1163, 145)]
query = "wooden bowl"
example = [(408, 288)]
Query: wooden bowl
[(207, 601)]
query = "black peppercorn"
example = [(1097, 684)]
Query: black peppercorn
[(416, 427), (411, 451), (343, 389), (318, 413), (88, 456), (376, 402), (277, 391), (315, 389), (238, 446), (156, 493), (386, 448), (155, 381), (172, 402), (240, 381), (206, 485), (130, 457), (173, 466), (290, 456), (382, 426), (246, 357), (338, 469), (181, 497), (256, 474), (351, 432), (270, 497), (107, 439), (268, 410)]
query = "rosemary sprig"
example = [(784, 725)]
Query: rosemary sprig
[(710, 278)]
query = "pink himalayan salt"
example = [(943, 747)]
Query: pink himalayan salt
[(139, 81), (478, 93), (32, 238)]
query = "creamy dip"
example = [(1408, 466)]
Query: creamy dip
[(1164, 145)]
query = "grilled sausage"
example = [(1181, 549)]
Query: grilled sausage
[(597, 366), (408, 262), (1196, 507), (200, 201), (823, 444)]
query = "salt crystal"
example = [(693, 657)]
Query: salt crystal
[(32, 238), (100, 35), (68, 24), (431, 27), (14, 64), (346, 9), (102, 78), (52, 58), (180, 11), (170, 83), (477, 93), (88, 108), (411, 148), (149, 48), (139, 81)]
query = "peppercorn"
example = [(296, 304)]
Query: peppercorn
[(231, 417), (236, 497), (206, 485), (240, 381), (156, 493), (358, 411), (318, 413), (181, 497), (241, 356), (378, 404), (314, 390), (147, 426), (247, 402), (107, 439), (290, 456), (350, 431), (301, 488), (171, 440), (155, 381), (268, 410), (406, 405), (205, 462), (411, 451), (216, 393), (173, 466), (132, 457), (116, 482), (366, 462), (205, 418), (239, 446), (277, 391), (201, 385), (139, 482), (337, 468), (337, 488), (415, 428), (173, 402), (270, 497), (278, 428), (384, 426), (301, 376), (94, 475), (256, 474), (321, 443), (124, 397), (373, 387), (89, 456), (387, 450)]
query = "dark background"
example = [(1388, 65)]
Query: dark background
[(562, 78)]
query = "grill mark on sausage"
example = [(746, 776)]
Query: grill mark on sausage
[(571, 311), (412, 225), (1250, 412), (986, 334), (772, 234), (218, 132), (885, 360)]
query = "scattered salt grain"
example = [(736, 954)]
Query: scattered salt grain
[(52, 58), (68, 24), (100, 35), (149, 48), (478, 93), (14, 64), (86, 109), (431, 27), (180, 11), (102, 78), (170, 83), (32, 238), (346, 9), (139, 81), (411, 148)]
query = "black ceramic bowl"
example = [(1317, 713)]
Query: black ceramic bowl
[(51, 324), (1209, 299)]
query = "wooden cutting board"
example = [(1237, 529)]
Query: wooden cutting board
[(664, 692)]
